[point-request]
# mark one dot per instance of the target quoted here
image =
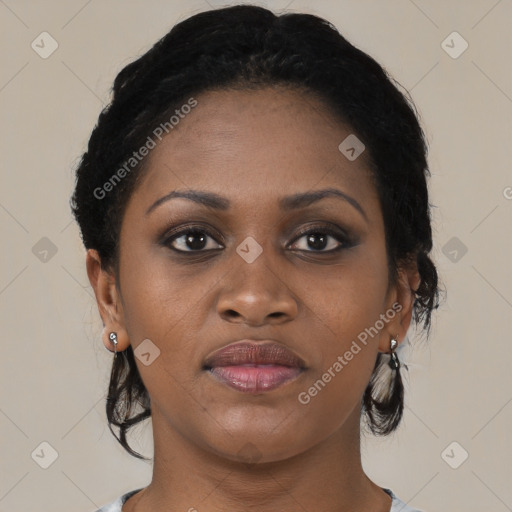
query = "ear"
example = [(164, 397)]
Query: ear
[(400, 300), (108, 300)]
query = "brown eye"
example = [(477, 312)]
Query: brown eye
[(321, 239), (192, 240)]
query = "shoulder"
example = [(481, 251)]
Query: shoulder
[(398, 505), (117, 504)]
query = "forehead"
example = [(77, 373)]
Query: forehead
[(255, 145)]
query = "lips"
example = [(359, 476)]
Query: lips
[(252, 353), (254, 367)]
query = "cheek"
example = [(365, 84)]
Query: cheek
[(158, 307), (335, 394), (350, 306), (159, 298), (346, 357), (349, 297)]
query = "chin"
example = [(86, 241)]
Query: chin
[(252, 446)]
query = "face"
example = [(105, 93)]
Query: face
[(252, 256)]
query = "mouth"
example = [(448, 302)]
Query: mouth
[(254, 367)]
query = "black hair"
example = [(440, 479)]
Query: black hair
[(250, 47)]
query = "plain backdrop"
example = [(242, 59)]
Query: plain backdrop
[(453, 449)]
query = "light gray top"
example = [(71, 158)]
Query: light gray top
[(116, 506)]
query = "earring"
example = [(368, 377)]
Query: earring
[(394, 362), (113, 338)]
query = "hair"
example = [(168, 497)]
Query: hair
[(249, 47)]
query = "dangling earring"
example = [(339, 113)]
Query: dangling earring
[(394, 362), (383, 399), (113, 338)]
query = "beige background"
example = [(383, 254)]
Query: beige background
[(54, 368)]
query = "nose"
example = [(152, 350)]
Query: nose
[(254, 294)]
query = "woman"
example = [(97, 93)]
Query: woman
[(255, 212)]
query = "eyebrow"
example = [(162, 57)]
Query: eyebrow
[(215, 201)]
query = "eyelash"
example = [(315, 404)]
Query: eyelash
[(324, 229)]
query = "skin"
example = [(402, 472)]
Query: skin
[(253, 148)]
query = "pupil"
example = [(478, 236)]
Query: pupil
[(316, 245), (192, 238)]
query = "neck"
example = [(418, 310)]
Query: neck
[(327, 477)]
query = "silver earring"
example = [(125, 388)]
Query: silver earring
[(394, 362), (113, 338)]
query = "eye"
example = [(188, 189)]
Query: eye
[(320, 239), (192, 239)]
